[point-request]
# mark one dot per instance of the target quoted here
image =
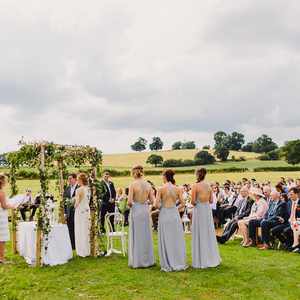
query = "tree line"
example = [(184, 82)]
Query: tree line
[(223, 144)]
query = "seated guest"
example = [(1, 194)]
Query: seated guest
[(295, 217), (283, 232), (267, 193), (227, 208), (276, 214), (256, 223), (258, 210), (243, 209), (27, 204)]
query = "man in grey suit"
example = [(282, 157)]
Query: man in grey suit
[(69, 194)]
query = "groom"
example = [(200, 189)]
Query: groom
[(69, 194), (107, 197)]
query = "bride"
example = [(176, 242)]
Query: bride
[(82, 217)]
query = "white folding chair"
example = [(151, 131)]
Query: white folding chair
[(117, 234), (186, 222)]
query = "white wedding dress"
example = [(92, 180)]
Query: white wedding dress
[(83, 224)]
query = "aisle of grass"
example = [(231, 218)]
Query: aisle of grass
[(244, 274)]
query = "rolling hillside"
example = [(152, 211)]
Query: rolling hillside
[(127, 160)]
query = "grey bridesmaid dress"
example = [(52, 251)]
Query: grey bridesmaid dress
[(205, 251), (140, 250), (171, 243)]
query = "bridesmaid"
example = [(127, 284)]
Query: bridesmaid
[(171, 243), (4, 206), (140, 252), (205, 252), (82, 217)]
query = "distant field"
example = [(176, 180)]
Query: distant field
[(127, 160)]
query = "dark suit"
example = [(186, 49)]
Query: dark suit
[(270, 220), (70, 213), (242, 211), (284, 231), (281, 211), (106, 194)]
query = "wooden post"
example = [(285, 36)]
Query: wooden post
[(38, 229), (14, 231), (61, 190)]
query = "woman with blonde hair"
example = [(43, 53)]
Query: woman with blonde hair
[(82, 217), (140, 252), (4, 206)]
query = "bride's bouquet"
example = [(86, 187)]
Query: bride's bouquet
[(70, 202)]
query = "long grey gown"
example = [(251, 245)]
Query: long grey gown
[(205, 251), (171, 243), (140, 250)]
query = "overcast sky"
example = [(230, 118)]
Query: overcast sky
[(105, 72)]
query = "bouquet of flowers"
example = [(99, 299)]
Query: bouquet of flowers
[(70, 202)]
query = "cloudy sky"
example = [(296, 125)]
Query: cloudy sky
[(104, 72)]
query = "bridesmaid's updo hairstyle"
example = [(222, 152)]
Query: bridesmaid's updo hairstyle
[(169, 175), (2, 180), (201, 174), (83, 178), (137, 171)]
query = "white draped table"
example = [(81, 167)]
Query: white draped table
[(59, 249)]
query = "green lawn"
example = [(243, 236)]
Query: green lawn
[(244, 274)]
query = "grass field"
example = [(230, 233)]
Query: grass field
[(127, 160), (244, 274)]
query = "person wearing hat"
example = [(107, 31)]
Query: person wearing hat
[(258, 210)]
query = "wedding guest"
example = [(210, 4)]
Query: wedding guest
[(267, 193), (26, 204), (4, 229), (276, 214), (244, 204), (140, 252), (69, 196), (258, 210), (107, 194), (171, 243), (205, 252), (295, 217), (82, 217)]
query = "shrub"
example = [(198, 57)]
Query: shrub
[(155, 160), (272, 155), (276, 169), (204, 158)]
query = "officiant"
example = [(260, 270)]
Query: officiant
[(69, 196)]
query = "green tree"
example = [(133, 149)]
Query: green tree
[(272, 155), (177, 145), (222, 151), (155, 160), (291, 152), (204, 158), (236, 140), (157, 144), (264, 144), (189, 145), (206, 147), (248, 147), (220, 137), (139, 145)]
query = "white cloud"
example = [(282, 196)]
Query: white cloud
[(105, 71)]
